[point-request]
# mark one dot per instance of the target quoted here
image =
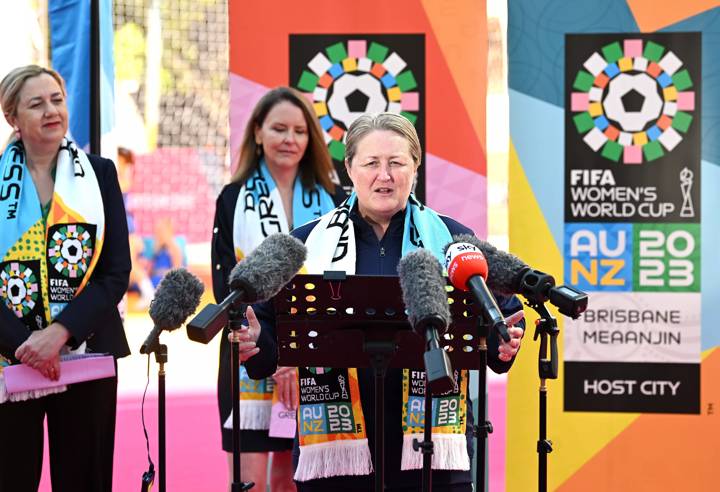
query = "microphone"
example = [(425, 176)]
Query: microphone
[(468, 269), (256, 278), (176, 298), (425, 297), (509, 275)]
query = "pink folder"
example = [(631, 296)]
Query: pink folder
[(73, 369)]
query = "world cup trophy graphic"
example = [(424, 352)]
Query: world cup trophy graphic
[(686, 182)]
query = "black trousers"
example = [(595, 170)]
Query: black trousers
[(81, 435)]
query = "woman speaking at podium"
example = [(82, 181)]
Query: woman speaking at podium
[(381, 222), (65, 264)]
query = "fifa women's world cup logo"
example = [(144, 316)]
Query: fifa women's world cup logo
[(686, 183), (632, 101)]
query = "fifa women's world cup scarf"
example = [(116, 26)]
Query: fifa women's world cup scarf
[(46, 262), (331, 424), (259, 212)]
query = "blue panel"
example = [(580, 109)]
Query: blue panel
[(710, 234), (664, 80), (601, 122), (653, 133), (326, 122), (336, 71), (536, 40), (388, 80), (535, 124), (611, 70), (70, 45), (597, 248)]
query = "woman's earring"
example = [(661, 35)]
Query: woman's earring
[(258, 149), (16, 129)]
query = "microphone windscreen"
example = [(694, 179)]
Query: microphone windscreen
[(423, 287), (268, 267), (505, 269), (462, 262), (176, 298)]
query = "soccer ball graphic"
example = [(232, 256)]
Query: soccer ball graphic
[(633, 102)]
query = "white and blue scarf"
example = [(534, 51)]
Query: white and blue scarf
[(259, 212), (345, 450), (46, 262)]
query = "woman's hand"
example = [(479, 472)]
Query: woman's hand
[(41, 350), (285, 379), (507, 350), (247, 337)]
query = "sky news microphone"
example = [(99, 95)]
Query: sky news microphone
[(425, 297), (176, 298), (467, 268), (256, 278), (509, 275)]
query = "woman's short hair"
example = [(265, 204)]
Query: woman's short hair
[(14, 81), (382, 121), (315, 165)]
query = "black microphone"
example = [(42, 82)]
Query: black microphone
[(467, 269), (425, 297), (176, 298), (509, 275), (256, 278)]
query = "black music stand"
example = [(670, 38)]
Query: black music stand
[(161, 357), (334, 320)]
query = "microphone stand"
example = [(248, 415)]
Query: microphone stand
[(235, 323), (545, 328), (482, 426), (161, 357)]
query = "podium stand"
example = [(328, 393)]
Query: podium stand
[(340, 321)]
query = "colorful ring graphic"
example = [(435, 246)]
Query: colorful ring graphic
[(19, 287), (633, 101), (347, 80), (70, 250)]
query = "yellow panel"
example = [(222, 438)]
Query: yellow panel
[(576, 436)]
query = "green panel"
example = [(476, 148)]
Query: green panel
[(681, 121), (377, 52), (612, 150), (406, 81), (410, 116), (671, 261), (681, 80), (653, 150), (337, 150), (583, 122), (583, 81), (336, 52), (308, 81), (653, 51), (612, 52)]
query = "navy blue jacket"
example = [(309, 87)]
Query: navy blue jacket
[(378, 257), (93, 315)]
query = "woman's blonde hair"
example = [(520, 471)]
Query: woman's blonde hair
[(315, 165), (14, 81), (382, 121)]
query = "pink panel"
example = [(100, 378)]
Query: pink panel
[(455, 191), (497, 413), (633, 48), (686, 101), (357, 48), (632, 154), (244, 94), (410, 101), (579, 101)]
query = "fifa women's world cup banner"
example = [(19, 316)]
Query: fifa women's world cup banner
[(632, 221)]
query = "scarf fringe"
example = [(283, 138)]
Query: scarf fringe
[(25, 395), (334, 458), (254, 415), (449, 452)]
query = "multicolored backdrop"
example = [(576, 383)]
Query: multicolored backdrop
[(424, 59), (615, 161)]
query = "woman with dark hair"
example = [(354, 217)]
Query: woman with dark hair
[(283, 179), (64, 262)]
